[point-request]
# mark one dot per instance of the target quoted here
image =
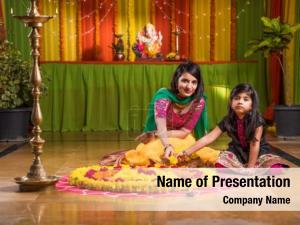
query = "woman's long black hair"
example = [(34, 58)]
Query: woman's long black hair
[(252, 119), (194, 70)]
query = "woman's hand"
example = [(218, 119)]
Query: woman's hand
[(168, 151), (145, 137)]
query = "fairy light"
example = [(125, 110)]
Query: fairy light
[(243, 9), (182, 13), (97, 23), (176, 9), (165, 16), (89, 15)]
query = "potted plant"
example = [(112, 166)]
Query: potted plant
[(275, 39), (15, 94)]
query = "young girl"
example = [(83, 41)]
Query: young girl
[(244, 124)]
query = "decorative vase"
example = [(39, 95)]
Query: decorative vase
[(119, 56), (118, 48)]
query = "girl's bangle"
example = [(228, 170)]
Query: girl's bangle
[(185, 153), (167, 146)]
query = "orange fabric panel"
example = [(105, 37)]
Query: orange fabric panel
[(182, 19), (162, 22), (88, 9)]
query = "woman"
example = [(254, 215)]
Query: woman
[(173, 115)]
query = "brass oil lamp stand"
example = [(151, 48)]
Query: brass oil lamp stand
[(177, 32), (36, 178)]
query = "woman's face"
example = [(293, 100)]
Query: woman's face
[(187, 85), (241, 104)]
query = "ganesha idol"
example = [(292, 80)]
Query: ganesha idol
[(148, 43)]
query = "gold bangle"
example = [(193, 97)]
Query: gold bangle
[(185, 153), (167, 146)]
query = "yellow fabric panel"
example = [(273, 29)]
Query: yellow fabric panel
[(141, 13), (130, 18), (289, 59), (200, 30), (70, 25), (121, 23), (222, 30), (141, 17), (152, 12), (50, 33)]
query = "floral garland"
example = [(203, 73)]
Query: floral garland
[(137, 179), (117, 179)]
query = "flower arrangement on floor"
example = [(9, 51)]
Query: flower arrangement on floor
[(148, 43), (139, 179), (117, 179)]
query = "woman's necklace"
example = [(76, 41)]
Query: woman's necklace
[(179, 107)]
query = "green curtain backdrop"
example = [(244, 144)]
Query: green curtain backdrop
[(297, 57), (95, 97), (249, 26), (16, 31)]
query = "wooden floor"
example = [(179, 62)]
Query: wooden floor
[(64, 152)]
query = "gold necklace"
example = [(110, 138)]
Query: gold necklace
[(180, 107)]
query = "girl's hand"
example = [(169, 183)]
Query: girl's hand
[(182, 156), (182, 153), (250, 166)]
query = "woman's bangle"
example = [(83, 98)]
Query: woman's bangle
[(167, 146)]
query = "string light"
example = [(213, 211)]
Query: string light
[(101, 5), (165, 16), (243, 9), (176, 9), (97, 23), (179, 12)]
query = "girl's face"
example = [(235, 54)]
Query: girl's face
[(241, 104), (187, 85)]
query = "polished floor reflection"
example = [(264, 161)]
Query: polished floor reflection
[(66, 151)]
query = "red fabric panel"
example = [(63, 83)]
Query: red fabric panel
[(106, 31), (88, 29), (276, 8), (183, 20), (275, 72), (2, 27), (163, 25)]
